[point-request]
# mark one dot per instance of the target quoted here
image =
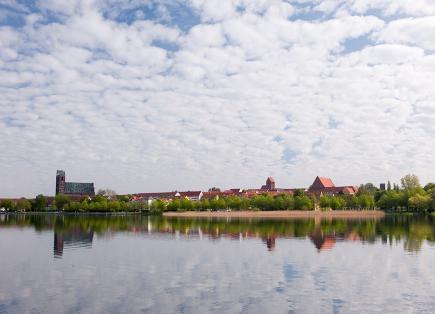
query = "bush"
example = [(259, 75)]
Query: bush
[(303, 203)]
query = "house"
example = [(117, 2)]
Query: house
[(152, 196), (325, 186), (166, 196), (191, 195), (210, 195)]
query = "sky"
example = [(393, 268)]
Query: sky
[(148, 95)]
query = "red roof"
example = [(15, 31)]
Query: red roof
[(348, 190), (156, 194), (190, 193), (327, 182), (321, 183), (235, 190)]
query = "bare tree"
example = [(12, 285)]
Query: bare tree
[(107, 193), (410, 181)]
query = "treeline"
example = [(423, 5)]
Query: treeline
[(64, 203), (40, 203), (409, 197), (99, 204), (359, 201), (298, 201), (260, 202), (414, 200)]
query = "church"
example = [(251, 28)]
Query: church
[(72, 188), (325, 186)]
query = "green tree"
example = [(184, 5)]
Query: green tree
[(299, 192), (391, 200), (325, 201), (303, 203), (353, 202), (389, 186), (217, 204), (337, 202), (205, 204), (234, 202), (289, 202), (73, 207), (61, 200), (186, 204), (23, 204), (157, 206), (429, 186), (366, 201), (279, 203), (124, 198), (368, 188), (174, 205), (9, 205), (39, 203), (420, 202)]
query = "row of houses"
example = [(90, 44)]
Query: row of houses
[(320, 186)]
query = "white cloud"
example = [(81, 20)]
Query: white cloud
[(410, 31), (384, 7), (245, 93), (384, 55)]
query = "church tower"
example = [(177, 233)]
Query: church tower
[(270, 184), (60, 182)]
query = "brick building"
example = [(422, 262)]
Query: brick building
[(72, 188), (325, 186)]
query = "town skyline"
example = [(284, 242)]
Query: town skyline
[(74, 183)]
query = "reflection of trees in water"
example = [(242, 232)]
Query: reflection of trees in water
[(79, 229), (412, 244)]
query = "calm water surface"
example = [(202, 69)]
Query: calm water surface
[(97, 264)]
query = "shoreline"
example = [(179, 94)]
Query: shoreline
[(279, 214), (143, 213)]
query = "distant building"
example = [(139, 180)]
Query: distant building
[(149, 197), (192, 195), (322, 186), (382, 186), (270, 184), (72, 188), (168, 196)]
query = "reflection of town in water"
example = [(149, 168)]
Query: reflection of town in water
[(71, 232), (75, 238)]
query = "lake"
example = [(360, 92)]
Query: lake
[(138, 264)]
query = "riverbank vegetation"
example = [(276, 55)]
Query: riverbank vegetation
[(411, 197), (299, 201)]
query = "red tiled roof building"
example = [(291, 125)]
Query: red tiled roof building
[(322, 185)]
